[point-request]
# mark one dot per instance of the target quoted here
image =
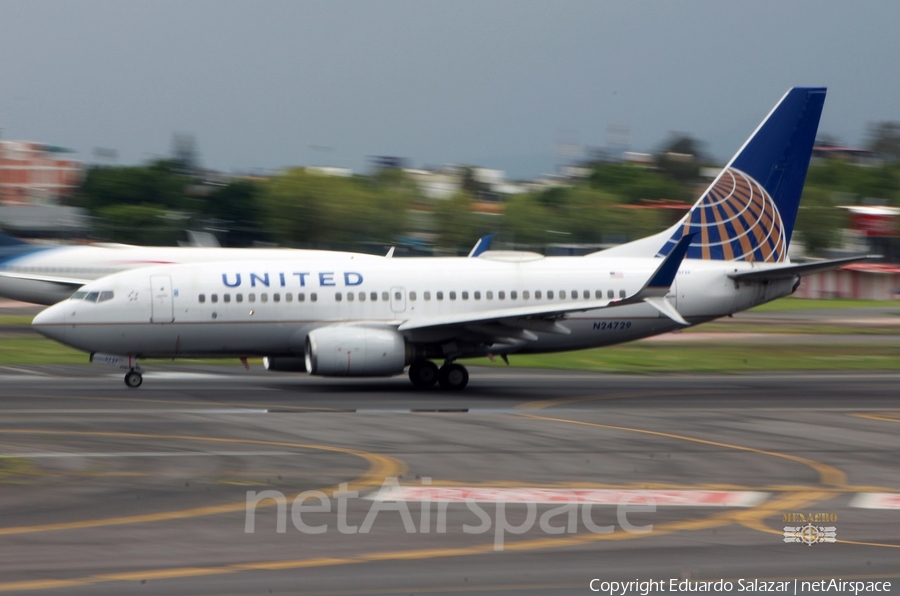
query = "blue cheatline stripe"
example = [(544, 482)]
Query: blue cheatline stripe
[(8, 254)]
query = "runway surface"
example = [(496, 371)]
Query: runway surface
[(106, 490)]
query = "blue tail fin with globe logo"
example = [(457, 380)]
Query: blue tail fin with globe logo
[(748, 212)]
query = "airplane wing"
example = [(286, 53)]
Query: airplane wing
[(790, 271), (71, 282), (521, 321)]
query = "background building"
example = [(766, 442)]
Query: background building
[(35, 173)]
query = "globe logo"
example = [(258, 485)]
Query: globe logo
[(736, 220)]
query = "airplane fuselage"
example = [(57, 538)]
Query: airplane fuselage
[(269, 308)]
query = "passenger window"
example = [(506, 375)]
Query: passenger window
[(477, 295), (526, 294), (251, 297), (412, 296), (276, 297), (549, 294), (489, 295), (226, 298), (362, 296), (288, 297), (501, 295), (301, 297), (338, 297), (201, 298), (214, 298), (104, 296), (238, 297), (263, 297), (574, 294), (398, 296), (621, 293), (537, 294), (427, 295), (587, 294), (610, 294), (349, 296), (313, 297), (465, 295), (385, 296), (513, 295), (452, 295), (598, 294), (440, 295), (373, 296), (562, 294)]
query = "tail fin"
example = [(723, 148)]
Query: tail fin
[(7, 240), (748, 212)]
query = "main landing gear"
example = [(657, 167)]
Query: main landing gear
[(424, 374), (133, 378)]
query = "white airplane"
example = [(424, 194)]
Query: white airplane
[(43, 274), (378, 316)]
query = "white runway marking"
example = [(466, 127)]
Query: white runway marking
[(680, 498), (876, 501)]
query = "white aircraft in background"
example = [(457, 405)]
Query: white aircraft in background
[(377, 316), (46, 274)]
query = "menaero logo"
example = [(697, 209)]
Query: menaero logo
[(736, 220)]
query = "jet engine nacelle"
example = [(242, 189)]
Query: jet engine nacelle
[(355, 352)]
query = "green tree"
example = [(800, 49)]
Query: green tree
[(631, 183), (819, 222), (884, 139), (458, 226), (236, 207), (311, 209), (140, 224), (154, 184)]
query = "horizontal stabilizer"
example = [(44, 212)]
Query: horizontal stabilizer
[(666, 308), (790, 271)]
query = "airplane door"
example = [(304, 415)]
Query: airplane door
[(162, 307), (398, 299)]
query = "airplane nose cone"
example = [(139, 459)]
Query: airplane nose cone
[(51, 322)]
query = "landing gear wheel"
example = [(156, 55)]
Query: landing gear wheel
[(133, 379), (453, 376), (423, 374)]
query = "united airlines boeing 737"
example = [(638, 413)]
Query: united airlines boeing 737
[(376, 317)]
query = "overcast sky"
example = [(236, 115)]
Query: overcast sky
[(496, 83)]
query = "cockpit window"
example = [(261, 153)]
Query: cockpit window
[(92, 296)]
